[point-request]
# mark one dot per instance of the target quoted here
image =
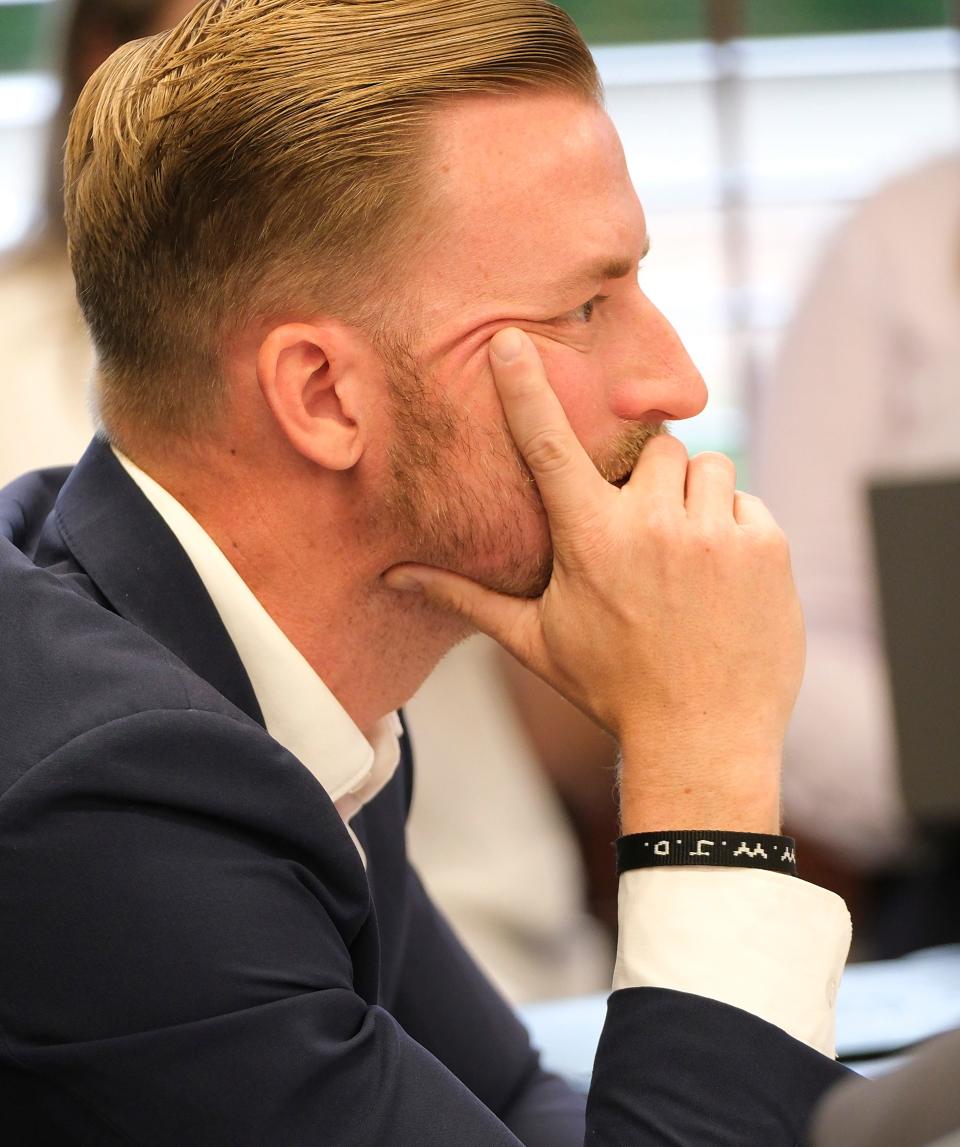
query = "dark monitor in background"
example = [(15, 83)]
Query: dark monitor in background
[(916, 1106), (916, 535)]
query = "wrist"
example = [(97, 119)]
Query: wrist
[(679, 815), (741, 794)]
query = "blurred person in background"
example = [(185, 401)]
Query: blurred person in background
[(868, 382), (44, 416), (488, 833), (504, 865)]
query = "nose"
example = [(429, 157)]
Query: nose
[(655, 378)]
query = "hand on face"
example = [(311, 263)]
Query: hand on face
[(671, 617)]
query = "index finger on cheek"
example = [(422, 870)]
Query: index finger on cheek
[(562, 468)]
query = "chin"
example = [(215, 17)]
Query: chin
[(521, 575)]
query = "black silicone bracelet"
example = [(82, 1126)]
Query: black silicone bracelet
[(710, 847)]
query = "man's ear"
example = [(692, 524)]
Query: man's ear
[(308, 376)]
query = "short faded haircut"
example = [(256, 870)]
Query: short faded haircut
[(262, 159)]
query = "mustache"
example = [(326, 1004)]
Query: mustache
[(617, 461), (614, 462)]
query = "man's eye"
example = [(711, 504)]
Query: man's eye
[(585, 312)]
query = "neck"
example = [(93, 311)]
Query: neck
[(317, 571), (371, 646)]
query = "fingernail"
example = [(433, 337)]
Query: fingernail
[(403, 582), (507, 344)]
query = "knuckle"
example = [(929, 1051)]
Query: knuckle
[(460, 603), (546, 451), (756, 505), (772, 541), (450, 599), (712, 462), (710, 536), (661, 523)]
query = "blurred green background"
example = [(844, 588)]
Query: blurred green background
[(24, 26), (22, 30), (619, 21)]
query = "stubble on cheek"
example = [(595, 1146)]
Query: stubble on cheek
[(461, 497), (527, 550)]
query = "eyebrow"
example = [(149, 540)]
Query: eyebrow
[(591, 274), (602, 270)]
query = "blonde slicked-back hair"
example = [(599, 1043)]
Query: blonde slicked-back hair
[(266, 158)]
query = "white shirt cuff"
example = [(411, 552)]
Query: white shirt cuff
[(768, 943)]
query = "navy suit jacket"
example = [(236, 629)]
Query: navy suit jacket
[(191, 951)]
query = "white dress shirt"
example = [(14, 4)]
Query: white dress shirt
[(770, 944)]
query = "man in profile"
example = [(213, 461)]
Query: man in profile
[(374, 369)]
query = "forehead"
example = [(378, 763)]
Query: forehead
[(529, 190)]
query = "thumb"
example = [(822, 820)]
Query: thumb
[(511, 621)]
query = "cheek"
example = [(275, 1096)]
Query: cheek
[(469, 386), (578, 380)]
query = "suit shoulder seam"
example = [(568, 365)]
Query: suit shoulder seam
[(240, 721)]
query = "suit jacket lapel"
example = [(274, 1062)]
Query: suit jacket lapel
[(133, 559)]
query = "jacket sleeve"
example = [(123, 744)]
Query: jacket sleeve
[(679, 1070)]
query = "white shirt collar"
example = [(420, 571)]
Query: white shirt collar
[(299, 711)]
